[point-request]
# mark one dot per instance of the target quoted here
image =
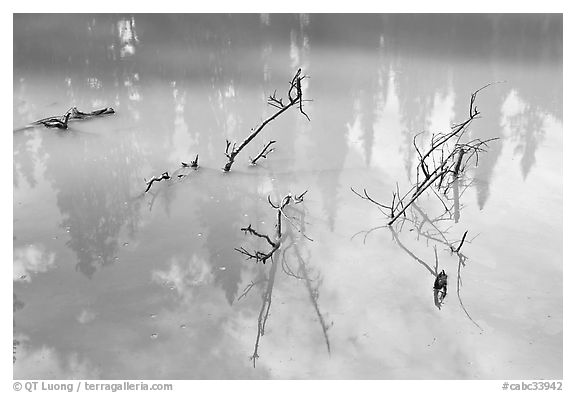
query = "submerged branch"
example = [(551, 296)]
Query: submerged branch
[(164, 176), (193, 164)]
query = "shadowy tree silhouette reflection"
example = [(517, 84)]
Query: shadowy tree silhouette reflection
[(93, 193), (17, 305)]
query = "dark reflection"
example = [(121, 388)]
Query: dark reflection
[(437, 231), (528, 128), (372, 98), (425, 59), (93, 181), (332, 109), (441, 168), (24, 159), (311, 279), (292, 236), (490, 103), (17, 305), (208, 76), (223, 217), (428, 59), (221, 203)]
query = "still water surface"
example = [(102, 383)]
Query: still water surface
[(110, 283)]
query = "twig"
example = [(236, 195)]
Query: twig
[(164, 176), (251, 231), (249, 287), (193, 164), (461, 243), (300, 198), (458, 284), (265, 151)]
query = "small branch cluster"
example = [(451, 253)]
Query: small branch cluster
[(294, 96), (262, 256), (165, 176), (439, 167), (193, 164)]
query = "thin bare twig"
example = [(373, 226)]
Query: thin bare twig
[(164, 176), (263, 153)]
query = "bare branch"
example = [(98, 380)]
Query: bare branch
[(265, 151), (193, 164), (251, 231), (295, 98), (164, 176), (249, 287), (300, 198)]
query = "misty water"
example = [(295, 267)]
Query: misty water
[(113, 283)]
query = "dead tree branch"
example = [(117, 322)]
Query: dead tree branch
[(447, 155), (71, 114), (294, 99), (263, 153), (164, 176), (261, 256), (193, 164)]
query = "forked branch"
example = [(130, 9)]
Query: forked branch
[(263, 153), (294, 99)]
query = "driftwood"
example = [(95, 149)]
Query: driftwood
[(76, 114), (164, 176), (295, 99), (56, 122), (72, 114)]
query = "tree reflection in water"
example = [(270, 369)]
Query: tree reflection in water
[(222, 65), (289, 238), (438, 231)]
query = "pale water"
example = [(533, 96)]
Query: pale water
[(111, 283)]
